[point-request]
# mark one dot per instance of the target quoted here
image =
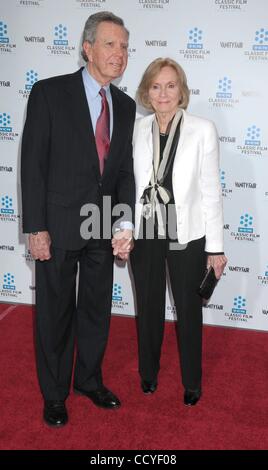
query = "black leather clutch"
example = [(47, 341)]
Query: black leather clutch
[(208, 284)]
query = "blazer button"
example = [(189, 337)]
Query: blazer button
[(100, 184)]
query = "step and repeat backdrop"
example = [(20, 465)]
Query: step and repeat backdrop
[(223, 48)]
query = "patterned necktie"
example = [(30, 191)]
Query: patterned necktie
[(102, 134)]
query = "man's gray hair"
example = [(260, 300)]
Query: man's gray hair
[(93, 21)]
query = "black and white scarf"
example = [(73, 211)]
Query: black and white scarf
[(155, 193)]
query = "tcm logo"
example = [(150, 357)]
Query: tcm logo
[(261, 40), (253, 136), (6, 205), (117, 292), (5, 122), (264, 277), (224, 88), (222, 179), (239, 305), (60, 34), (31, 78), (226, 190), (3, 32), (195, 38), (9, 282), (246, 222)]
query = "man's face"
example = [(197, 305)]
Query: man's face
[(107, 57)]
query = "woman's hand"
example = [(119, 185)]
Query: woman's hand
[(122, 244), (218, 262)]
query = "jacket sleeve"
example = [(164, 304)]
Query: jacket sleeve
[(35, 161), (211, 191)]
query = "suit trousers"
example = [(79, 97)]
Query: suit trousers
[(186, 269), (63, 320)]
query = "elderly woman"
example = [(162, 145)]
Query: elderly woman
[(179, 221)]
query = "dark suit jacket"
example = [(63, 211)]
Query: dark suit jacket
[(60, 166)]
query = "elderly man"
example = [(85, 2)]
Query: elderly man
[(76, 150)]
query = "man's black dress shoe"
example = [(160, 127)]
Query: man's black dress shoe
[(148, 387), (101, 397), (191, 397), (55, 413)]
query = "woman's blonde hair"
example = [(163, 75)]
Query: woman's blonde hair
[(152, 71)]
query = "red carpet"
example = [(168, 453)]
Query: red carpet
[(232, 414)]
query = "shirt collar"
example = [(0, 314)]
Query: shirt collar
[(92, 85)]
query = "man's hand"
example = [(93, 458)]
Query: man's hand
[(218, 262), (122, 244), (39, 246)]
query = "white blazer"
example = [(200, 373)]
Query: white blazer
[(195, 179)]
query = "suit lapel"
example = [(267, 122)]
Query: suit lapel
[(185, 136), (147, 157)]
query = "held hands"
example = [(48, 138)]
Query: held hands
[(122, 244), (39, 246), (218, 262)]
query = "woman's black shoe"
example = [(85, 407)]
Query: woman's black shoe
[(191, 397), (148, 387)]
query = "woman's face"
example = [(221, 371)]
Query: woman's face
[(164, 92)]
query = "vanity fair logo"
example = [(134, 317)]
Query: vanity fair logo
[(5, 83), (227, 139), (153, 4), (6, 130), (194, 46), (259, 48), (34, 40), (245, 231), (94, 4), (211, 306), (60, 44), (224, 94), (239, 312), (6, 45), (252, 145), (245, 185), (31, 78), (239, 269), (231, 45), (231, 5), (195, 91), (155, 43), (118, 302), (250, 93)]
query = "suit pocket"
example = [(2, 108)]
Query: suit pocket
[(58, 199)]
